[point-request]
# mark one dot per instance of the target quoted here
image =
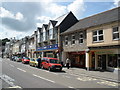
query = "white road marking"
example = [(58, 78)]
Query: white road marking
[(66, 76), (86, 79), (43, 78), (15, 87), (70, 87), (103, 82), (12, 65), (21, 69), (74, 75)]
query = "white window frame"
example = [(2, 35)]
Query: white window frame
[(51, 33), (116, 33), (66, 40), (98, 36), (44, 36), (81, 38), (73, 39)]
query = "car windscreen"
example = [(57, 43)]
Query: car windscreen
[(27, 58), (53, 61)]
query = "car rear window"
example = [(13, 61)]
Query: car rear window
[(54, 61)]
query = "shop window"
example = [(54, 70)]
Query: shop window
[(98, 36), (73, 39), (66, 40), (112, 60), (81, 38), (116, 33)]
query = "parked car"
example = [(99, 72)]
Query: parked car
[(51, 64), (25, 60), (19, 59), (33, 62)]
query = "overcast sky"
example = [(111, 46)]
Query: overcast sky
[(20, 19)]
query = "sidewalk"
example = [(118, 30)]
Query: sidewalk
[(110, 76)]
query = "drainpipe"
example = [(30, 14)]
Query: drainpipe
[(59, 44)]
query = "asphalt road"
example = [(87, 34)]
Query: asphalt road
[(18, 75)]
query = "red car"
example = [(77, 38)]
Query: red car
[(51, 64), (25, 60)]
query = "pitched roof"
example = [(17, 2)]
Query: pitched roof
[(98, 19), (53, 22), (61, 18), (45, 25)]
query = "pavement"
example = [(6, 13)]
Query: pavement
[(104, 75)]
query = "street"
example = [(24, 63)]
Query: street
[(18, 75)]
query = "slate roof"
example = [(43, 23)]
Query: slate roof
[(61, 18), (45, 25), (98, 19)]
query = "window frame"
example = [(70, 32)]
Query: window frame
[(97, 36), (73, 39), (66, 40), (116, 33), (81, 33)]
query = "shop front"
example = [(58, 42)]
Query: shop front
[(48, 51), (77, 59), (105, 59)]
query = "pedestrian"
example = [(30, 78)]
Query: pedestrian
[(67, 63), (39, 62)]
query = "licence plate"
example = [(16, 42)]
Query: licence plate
[(57, 68)]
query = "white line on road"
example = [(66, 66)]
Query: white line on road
[(66, 76), (15, 87), (44, 78), (70, 87), (12, 65), (21, 69)]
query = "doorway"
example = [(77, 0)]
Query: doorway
[(102, 61)]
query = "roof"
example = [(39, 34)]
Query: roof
[(53, 22), (98, 19), (61, 18), (45, 25)]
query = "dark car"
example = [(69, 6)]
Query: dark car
[(52, 64), (25, 60)]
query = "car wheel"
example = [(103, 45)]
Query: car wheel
[(42, 67), (49, 69)]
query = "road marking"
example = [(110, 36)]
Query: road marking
[(43, 78), (66, 76), (70, 87), (15, 87), (21, 69), (74, 75), (86, 79), (12, 65), (108, 83)]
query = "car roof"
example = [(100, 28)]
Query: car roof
[(50, 58)]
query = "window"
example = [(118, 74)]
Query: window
[(51, 33), (98, 36), (81, 38), (66, 40), (43, 36), (73, 39), (116, 33)]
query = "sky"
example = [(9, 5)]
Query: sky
[(21, 18)]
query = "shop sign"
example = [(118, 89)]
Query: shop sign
[(104, 52), (49, 47)]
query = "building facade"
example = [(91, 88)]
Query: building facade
[(102, 43), (50, 40)]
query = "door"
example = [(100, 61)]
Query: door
[(102, 61)]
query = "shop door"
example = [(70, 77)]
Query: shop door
[(102, 62)]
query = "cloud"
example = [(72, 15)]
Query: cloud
[(77, 7), (117, 3), (43, 20)]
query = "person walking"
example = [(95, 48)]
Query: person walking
[(68, 63), (39, 62)]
